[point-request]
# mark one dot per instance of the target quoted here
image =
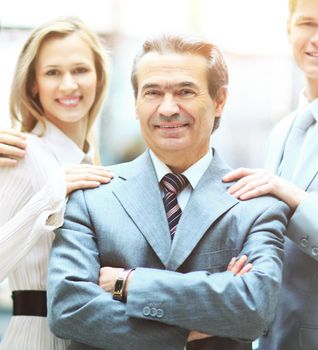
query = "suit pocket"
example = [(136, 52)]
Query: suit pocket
[(308, 338), (215, 261)]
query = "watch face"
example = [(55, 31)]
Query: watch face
[(118, 289)]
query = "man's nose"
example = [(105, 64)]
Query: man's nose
[(168, 106), (68, 82), (314, 37)]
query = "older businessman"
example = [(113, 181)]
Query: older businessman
[(165, 228)]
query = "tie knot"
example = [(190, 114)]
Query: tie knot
[(305, 119), (174, 182)]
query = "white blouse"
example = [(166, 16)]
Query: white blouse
[(32, 201)]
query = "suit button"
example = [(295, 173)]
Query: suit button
[(265, 332), (314, 251), (160, 313), (146, 311), (153, 312), (304, 242)]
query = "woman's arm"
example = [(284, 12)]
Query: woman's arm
[(24, 213), (32, 205)]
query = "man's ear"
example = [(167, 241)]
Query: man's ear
[(136, 109), (220, 101)]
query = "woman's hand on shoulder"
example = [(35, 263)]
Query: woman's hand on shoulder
[(12, 147), (252, 183), (85, 176)]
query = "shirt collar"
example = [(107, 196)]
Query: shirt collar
[(304, 103), (193, 174), (314, 108), (65, 150)]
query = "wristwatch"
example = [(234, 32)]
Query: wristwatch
[(120, 284)]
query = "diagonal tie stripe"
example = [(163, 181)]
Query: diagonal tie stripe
[(173, 184)]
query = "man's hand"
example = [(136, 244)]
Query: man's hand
[(107, 278), (253, 183), (193, 335), (85, 176), (238, 266), (12, 147)]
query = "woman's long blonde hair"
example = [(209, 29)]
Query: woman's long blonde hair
[(25, 108)]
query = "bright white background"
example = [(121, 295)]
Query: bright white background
[(264, 83), (252, 34)]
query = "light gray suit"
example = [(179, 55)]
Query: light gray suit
[(177, 286), (296, 322)]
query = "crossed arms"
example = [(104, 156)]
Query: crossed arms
[(212, 303)]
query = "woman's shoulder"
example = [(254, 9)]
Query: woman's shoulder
[(34, 168), (39, 160), (25, 164), (33, 141), (37, 149), (19, 179)]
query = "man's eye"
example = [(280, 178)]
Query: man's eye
[(152, 93), (308, 24), (186, 92)]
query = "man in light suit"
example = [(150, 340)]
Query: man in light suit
[(293, 178), (124, 273)]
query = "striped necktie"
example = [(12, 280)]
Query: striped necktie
[(172, 184)]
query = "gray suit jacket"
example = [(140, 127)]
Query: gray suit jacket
[(177, 286), (296, 322)]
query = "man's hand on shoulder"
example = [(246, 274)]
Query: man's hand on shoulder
[(12, 147), (252, 183)]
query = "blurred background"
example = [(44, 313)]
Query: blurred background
[(264, 82)]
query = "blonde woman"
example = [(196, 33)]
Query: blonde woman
[(57, 91)]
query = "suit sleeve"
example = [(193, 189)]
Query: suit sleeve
[(79, 309), (302, 227), (220, 303)]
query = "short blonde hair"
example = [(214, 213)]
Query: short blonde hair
[(217, 72), (25, 108), (292, 6)]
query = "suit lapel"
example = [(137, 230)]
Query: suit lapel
[(140, 196), (207, 203), (307, 167), (277, 143)]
